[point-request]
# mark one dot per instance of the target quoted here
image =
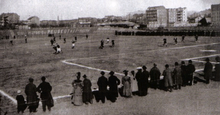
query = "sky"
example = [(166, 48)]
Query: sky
[(72, 9)]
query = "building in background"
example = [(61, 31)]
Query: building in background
[(9, 19), (177, 17), (156, 17), (215, 14), (34, 20), (86, 22)]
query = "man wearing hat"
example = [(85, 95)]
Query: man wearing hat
[(168, 83), (155, 76), (208, 71), (102, 83), (217, 69), (190, 70), (145, 83), (139, 77), (45, 94), (32, 98), (113, 83)]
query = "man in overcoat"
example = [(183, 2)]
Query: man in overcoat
[(190, 70), (32, 99), (102, 83), (155, 77), (208, 71), (113, 83), (45, 94)]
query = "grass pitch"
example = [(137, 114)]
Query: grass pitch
[(36, 59)]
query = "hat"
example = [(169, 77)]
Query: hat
[(102, 72), (155, 64), (176, 63), (111, 72), (144, 67), (125, 71), (207, 59), (84, 76), (139, 68), (19, 92)]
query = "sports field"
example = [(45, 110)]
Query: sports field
[(36, 59)]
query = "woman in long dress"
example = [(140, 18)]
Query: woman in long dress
[(126, 81), (77, 91), (134, 87)]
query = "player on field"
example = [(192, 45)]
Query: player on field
[(73, 44), (165, 42), (175, 40)]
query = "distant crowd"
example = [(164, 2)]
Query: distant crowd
[(109, 88)]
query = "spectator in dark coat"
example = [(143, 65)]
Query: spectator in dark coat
[(146, 75), (102, 83), (183, 73), (87, 91), (208, 71), (190, 70), (217, 69), (139, 77), (32, 98), (155, 76), (177, 76), (21, 104), (113, 83), (45, 94)]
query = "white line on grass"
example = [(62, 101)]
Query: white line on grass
[(201, 57), (9, 97), (87, 67)]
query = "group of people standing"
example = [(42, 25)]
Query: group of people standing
[(32, 100), (109, 88)]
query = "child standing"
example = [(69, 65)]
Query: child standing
[(21, 105)]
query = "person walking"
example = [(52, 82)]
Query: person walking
[(77, 91), (32, 98), (155, 77), (168, 83), (87, 91), (190, 70), (126, 81), (177, 76), (113, 83), (102, 83), (208, 71), (45, 94)]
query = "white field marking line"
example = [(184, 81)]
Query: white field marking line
[(204, 61), (9, 97), (186, 59), (87, 67)]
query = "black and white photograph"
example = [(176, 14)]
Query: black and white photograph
[(109, 57)]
